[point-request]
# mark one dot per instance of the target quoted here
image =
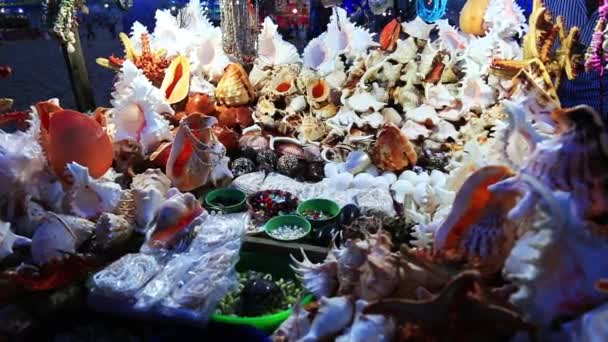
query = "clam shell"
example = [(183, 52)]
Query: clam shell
[(234, 88)]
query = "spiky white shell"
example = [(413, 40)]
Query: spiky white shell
[(169, 35), (272, 48), (505, 18), (320, 56), (90, 197), (8, 240), (137, 109), (363, 102), (207, 55), (414, 130), (423, 115), (477, 95), (439, 95), (346, 37), (418, 28)]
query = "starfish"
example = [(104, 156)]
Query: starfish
[(153, 63), (457, 301)]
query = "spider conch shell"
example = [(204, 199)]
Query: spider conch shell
[(58, 234), (196, 157), (176, 83), (149, 190), (319, 56), (234, 88), (272, 48), (347, 37), (393, 151), (207, 55), (8, 240), (90, 197)]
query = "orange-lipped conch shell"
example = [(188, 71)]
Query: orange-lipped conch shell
[(71, 136), (389, 35), (196, 157), (477, 226), (471, 17), (234, 88), (393, 151), (284, 84), (176, 83), (318, 90), (200, 103)]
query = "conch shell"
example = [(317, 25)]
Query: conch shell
[(393, 151), (176, 83), (149, 190), (390, 35), (318, 91), (471, 17), (234, 88), (59, 234), (196, 157), (90, 197), (8, 240)]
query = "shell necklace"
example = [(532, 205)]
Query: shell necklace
[(430, 15)]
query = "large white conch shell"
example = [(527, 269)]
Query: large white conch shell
[(91, 197), (272, 48), (347, 37), (320, 56), (137, 109), (208, 57), (149, 191)]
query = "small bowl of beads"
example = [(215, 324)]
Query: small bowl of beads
[(264, 205), (287, 228), (319, 212)]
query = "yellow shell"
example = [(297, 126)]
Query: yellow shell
[(471, 17), (176, 83), (234, 88), (312, 128), (318, 90)]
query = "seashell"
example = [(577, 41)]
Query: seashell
[(207, 54), (253, 139), (260, 77), (319, 279), (477, 224), (414, 130), (391, 115), (505, 18), (319, 55), (196, 157), (345, 37), (393, 151), (363, 102), (408, 98), (363, 181), (356, 162), (227, 137), (71, 136), (234, 88), (272, 49), (438, 96), (444, 131), (285, 145), (450, 38), (295, 327), (477, 95), (57, 235), (337, 78), (234, 117), (88, 197), (374, 120), (326, 112), (127, 275), (199, 103), (149, 190), (176, 218), (333, 316), (418, 29), (176, 83), (317, 91), (405, 51), (379, 93), (8, 240), (471, 17), (112, 230), (312, 129), (390, 35), (296, 105), (138, 106), (368, 328), (283, 85), (424, 114)]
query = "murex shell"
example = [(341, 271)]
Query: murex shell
[(234, 88)]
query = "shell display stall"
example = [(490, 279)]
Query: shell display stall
[(420, 183)]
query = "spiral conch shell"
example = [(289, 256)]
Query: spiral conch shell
[(393, 151), (234, 88)]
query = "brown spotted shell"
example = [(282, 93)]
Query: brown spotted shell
[(393, 151)]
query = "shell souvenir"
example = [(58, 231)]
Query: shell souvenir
[(208, 57), (149, 190), (368, 328), (71, 136), (334, 314), (234, 88), (57, 235), (506, 18), (390, 35), (176, 83), (312, 129), (196, 157), (89, 197), (199, 103), (284, 84), (320, 56), (8, 240), (112, 230), (176, 217), (393, 151), (471, 17), (138, 108), (364, 102), (272, 48), (317, 91), (418, 28)]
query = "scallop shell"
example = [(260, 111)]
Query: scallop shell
[(272, 48), (112, 230), (8, 240), (58, 234), (234, 88), (89, 197)]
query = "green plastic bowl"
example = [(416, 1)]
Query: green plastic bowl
[(228, 200), (289, 220), (266, 263), (330, 208)]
